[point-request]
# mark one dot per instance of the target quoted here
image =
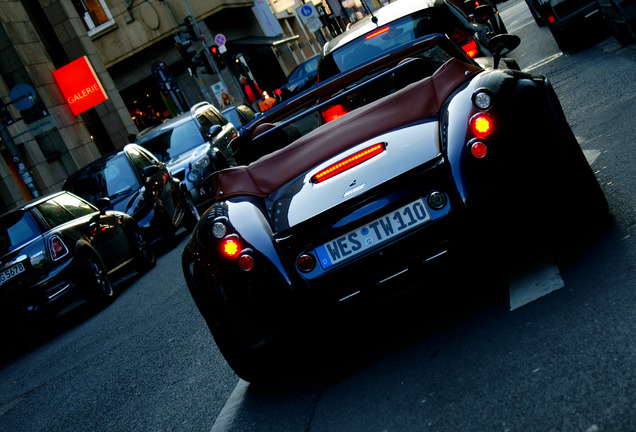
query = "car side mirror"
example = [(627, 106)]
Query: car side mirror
[(501, 45), (150, 170), (484, 13), (103, 204), (214, 130)]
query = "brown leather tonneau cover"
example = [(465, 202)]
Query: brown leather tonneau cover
[(414, 102)]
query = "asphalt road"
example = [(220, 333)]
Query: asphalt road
[(564, 359)]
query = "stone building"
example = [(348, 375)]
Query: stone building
[(131, 46)]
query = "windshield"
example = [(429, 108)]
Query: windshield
[(381, 40), (174, 142), (16, 229), (110, 179)]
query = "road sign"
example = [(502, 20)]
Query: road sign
[(309, 17), (219, 39)]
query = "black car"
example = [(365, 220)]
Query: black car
[(193, 145), (300, 79), (138, 184), (400, 174), (61, 248), (569, 21), (398, 24)]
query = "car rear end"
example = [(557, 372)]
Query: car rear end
[(35, 269)]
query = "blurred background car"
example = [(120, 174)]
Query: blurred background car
[(395, 28), (239, 115), (300, 79), (138, 184), (193, 145), (61, 248)]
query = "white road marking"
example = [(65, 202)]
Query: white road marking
[(233, 404), (543, 62), (591, 155), (538, 281)]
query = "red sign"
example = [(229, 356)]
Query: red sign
[(80, 86)]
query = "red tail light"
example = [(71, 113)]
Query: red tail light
[(333, 113), (377, 32), (478, 149), (550, 15), (481, 125), (57, 248), (278, 92), (349, 162), (466, 41), (246, 262), (230, 247)]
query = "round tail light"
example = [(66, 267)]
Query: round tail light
[(306, 263), (246, 262)]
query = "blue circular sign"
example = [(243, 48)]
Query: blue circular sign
[(306, 11)]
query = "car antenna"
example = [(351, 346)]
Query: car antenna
[(374, 19)]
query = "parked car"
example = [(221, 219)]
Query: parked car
[(193, 145), (397, 174), (300, 79), (568, 20), (398, 24), (138, 184), (61, 248), (620, 16)]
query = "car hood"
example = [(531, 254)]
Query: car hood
[(128, 202), (181, 162)]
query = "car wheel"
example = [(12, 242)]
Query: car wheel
[(145, 257), (191, 212), (96, 281), (248, 345)]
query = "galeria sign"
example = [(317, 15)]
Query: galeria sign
[(80, 86)]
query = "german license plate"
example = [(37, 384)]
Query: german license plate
[(372, 234), (11, 272)]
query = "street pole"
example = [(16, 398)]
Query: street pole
[(206, 50)]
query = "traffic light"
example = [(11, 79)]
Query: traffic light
[(218, 58), (186, 55), (190, 32), (201, 60)]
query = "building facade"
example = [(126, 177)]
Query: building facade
[(139, 52)]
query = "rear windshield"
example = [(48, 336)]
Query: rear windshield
[(382, 40), (174, 142), (353, 96), (15, 230), (109, 179)]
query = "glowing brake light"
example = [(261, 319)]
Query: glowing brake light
[(481, 125), (377, 32), (349, 162), (230, 247), (333, 113), (466, 41)]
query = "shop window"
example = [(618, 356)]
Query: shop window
[(94, 14)]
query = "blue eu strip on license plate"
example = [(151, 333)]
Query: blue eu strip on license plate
[(372, 234)]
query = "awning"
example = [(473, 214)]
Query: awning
[(264, 41)]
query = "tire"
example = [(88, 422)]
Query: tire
[(95, 280), (144, 255), (191, 217)]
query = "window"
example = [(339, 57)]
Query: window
[(17, 228), (53, 213), (75, 206), (94, 14)]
